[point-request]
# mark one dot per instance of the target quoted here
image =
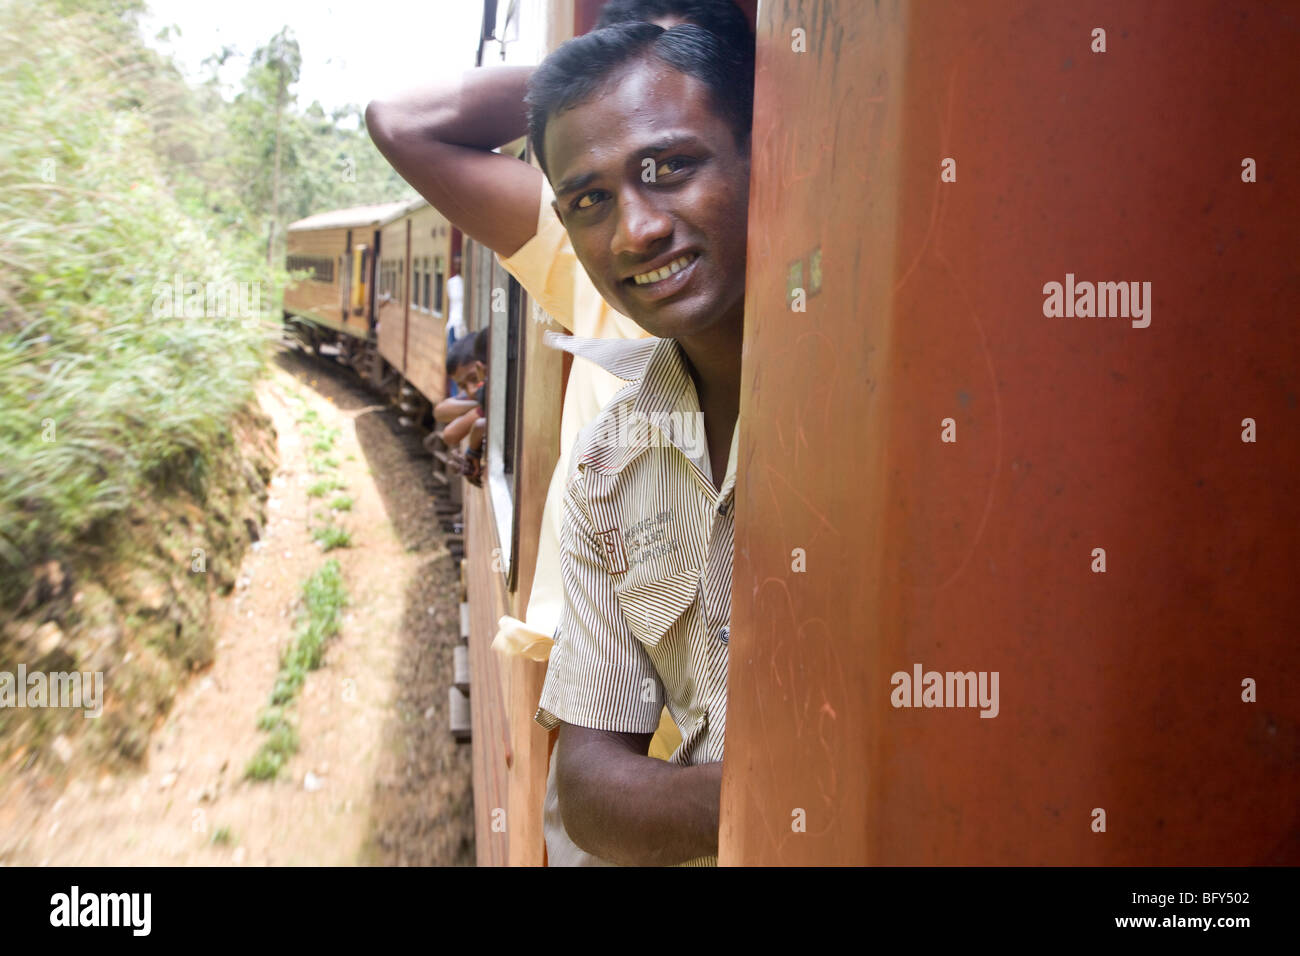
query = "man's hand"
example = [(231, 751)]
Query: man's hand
[(441, 139), (625, 807)]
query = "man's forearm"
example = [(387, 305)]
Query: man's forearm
[(440, 139), (633, 809), (483, 109)]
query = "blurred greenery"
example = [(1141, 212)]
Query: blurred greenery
[(117, 176), (319, 619)]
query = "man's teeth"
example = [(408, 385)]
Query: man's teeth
[(677, 265)]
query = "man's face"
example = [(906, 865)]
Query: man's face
[(470, 377), (631, 222)]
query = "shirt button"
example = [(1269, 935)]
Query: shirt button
[(724, 635)]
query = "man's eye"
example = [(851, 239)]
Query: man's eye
[(669, 166), (582, 202)]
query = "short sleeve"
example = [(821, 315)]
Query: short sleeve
[(599, 675), (545, 264)]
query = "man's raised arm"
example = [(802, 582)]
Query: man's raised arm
[(625, 807), (440, 139)]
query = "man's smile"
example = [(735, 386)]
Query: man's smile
[(663, 270), (664, 280)]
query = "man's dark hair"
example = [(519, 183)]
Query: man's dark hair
[(722, 18), (579, 69), (467, 350)]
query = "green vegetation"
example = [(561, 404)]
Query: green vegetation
[(324, 598), (323, 439), (142, 224), (331, 536), (323, 487), (99, 400), (222, 836), (341, 503), (274, 753)]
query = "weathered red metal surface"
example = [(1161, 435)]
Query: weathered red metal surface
[(1119, 691)]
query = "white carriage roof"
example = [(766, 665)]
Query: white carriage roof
[(375, 214)]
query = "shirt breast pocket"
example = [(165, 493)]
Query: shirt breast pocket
[(654, 595)]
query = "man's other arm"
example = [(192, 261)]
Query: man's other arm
[(440, 139), (626, 807)]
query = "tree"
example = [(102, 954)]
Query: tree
[(267, 96)]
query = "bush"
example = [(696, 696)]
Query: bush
[(103, 398)]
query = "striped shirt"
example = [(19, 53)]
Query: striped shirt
[(645, 556)]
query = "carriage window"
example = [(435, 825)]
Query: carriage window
[(437, 285), (415, 283), (504, 305), (426, 284), (320, 267)]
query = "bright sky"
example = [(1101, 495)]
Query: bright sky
[(352, 50)]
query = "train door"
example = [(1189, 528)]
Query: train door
[(407, 295), (360, 285), (371, 296), (1007, 573), (346, 280)]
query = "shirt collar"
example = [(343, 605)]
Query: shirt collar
[(626, 358), (665, 398)]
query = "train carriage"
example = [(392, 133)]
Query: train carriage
[(376, 290)]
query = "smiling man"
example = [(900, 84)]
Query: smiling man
[(644, 136)]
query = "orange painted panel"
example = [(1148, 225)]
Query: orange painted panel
[(867, 546)]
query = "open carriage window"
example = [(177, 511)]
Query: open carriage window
[(504, 380)]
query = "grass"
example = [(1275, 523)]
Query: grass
[(274, 753), (270, 718), (319, 466), (341, 503), (325, 439), (100, 401), (222, 836), (324, 598), (323, 487), (331, 536)]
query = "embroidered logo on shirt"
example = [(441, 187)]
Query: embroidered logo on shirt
[(648, 539), (612, 544)]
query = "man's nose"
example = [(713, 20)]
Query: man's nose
[(641, 224)]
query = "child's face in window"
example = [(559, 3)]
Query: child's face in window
[(470, 377)]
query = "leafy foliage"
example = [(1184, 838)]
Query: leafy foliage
[(120, 185)]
